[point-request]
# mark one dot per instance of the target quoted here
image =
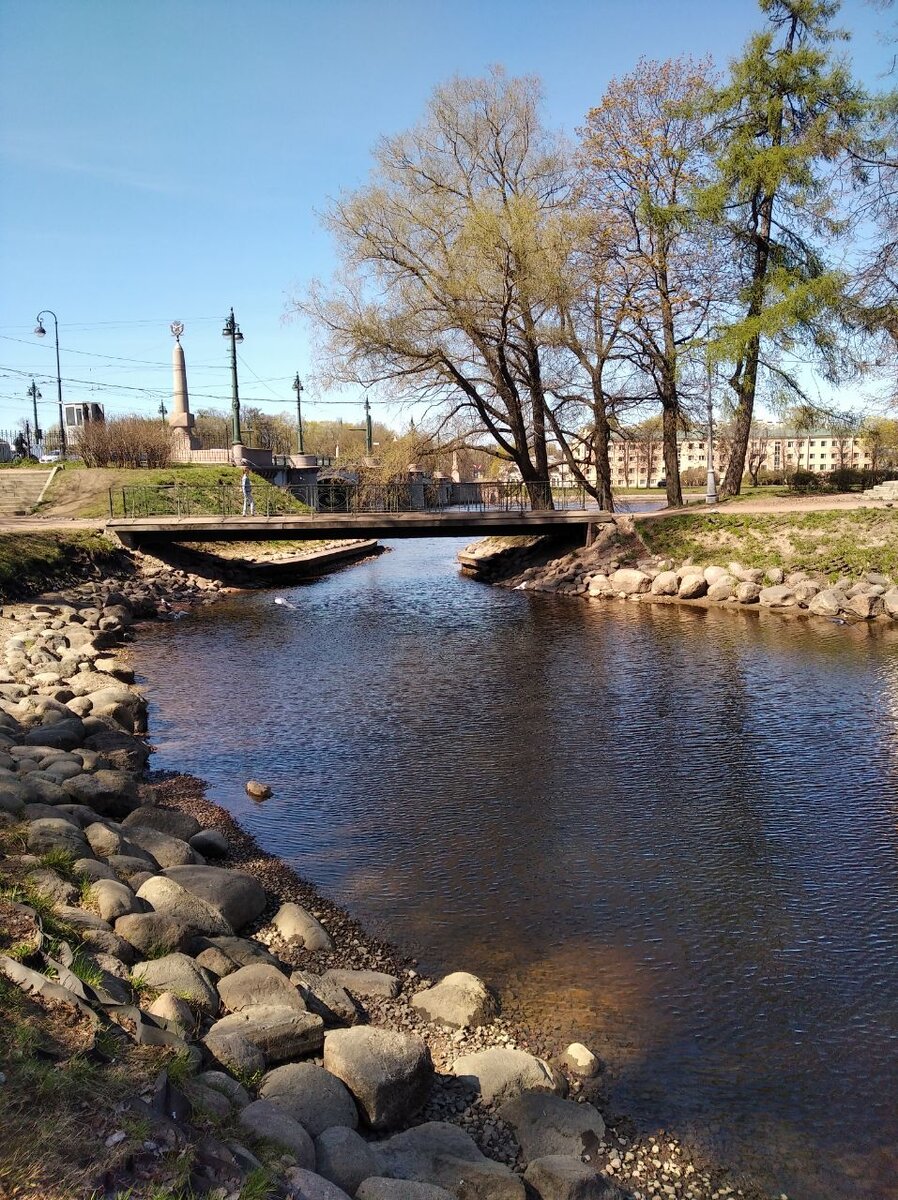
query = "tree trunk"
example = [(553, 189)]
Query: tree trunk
[(732, 480), (669, 419), (601, 440)]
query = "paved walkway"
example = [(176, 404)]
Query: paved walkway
[(842, 502)]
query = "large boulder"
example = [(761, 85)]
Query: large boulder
[(828, 603), (210, 843), (51, 833), (280, 1033), (459, 1000), (232, 952), (178, 973), (306, 1185), (172, 1008), (122, 750), (153, 933), (258, 983), (780, 595), (37, 788), (113, 899), (890, 602), (379, 1188), (748, 592), (692, 586), (12, 797), (236, 1053), (365, 983), (547, 1124), (562, 1177), (168, 851), (665, 583), (109, 793), (865, 605), (168, 898), (344, 1157), (265, 1120), (332, 1003), (501, 1073), (390, 1074), (107, 841), (49, 884), (295, 924), (443, 1154), (629, 582), (312, 1096), (164, 820), (722, 588), (237, 896), (64, 734)]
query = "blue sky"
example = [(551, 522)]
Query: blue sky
[(167, 160)]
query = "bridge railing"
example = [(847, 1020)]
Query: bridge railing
[(341, 496)]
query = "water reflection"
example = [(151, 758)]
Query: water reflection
[(669, 832)]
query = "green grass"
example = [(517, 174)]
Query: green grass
[(35, 562), (830, 543), (85, 492), (43, 906), (63, 863)]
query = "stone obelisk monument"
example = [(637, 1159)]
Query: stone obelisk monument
[(180, 418)]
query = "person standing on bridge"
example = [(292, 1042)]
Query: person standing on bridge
[(246, 485)]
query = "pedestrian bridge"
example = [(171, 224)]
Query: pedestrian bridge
[(144, 516), (144, 531)]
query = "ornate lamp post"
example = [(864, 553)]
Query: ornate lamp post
[(41, 332), (298, 388), (232, 330)]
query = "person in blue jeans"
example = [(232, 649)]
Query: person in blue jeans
[(246, 485)]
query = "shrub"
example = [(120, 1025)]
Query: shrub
[(805, 481), (125, 442)]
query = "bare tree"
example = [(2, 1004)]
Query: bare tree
[(450, 261), (643, 150)]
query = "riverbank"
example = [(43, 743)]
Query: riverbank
[(837, 565), (38, 706)]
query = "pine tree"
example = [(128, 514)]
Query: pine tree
[(784, 120)]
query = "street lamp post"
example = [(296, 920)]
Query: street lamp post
[(711, 488), (232, 330), (35, 396), (298, 388), (40, 331)]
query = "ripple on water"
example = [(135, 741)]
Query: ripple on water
[(669, 832)]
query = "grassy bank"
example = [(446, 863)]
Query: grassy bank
[(36, 562), (84, 491), (831, 543)]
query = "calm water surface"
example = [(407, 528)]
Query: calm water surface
[(670, 833)]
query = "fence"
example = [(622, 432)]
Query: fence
[(342, 496)]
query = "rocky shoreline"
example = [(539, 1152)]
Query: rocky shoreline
[(613, 568), (295, 1050)]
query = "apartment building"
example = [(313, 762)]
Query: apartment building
[(639, 462)]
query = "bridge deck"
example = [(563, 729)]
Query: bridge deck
[(349, 525)]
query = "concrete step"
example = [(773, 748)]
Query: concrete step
[(20, 490)]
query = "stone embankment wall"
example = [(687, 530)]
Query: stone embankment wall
[(308, 1047), (603, 572)]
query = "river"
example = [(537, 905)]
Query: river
[(668, 832)]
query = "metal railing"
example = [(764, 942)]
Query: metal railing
[(343, 496), (193, 500)]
